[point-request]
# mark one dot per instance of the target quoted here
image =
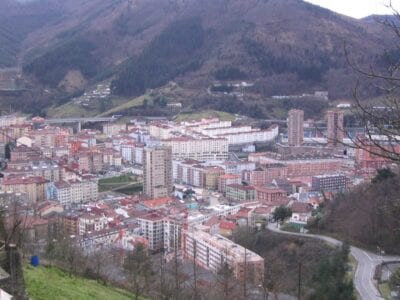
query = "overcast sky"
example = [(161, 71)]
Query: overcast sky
[(357, 8)]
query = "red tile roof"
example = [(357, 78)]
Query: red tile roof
[(154, 203)]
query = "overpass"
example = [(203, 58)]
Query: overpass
[(80, 121)]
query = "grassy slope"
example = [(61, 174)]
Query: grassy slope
[(68, 110), (205, 114), (132, 103), (51, 283)]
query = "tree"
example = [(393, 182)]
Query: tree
[(7, 150), (330, 279), (383, 174), (395, 279), (381, 122), (281, 213), (139, 269), (225, 280)]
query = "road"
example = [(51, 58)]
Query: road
[(366, 263), (82, 120)]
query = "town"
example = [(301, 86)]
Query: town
[(178, 188)]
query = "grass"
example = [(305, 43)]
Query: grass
[(45, 283), (130, 190), (188, 116), (127, 105), (113, 183), (69, 109), (290, 227), (384, 288)]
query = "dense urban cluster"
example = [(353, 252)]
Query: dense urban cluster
[(194, 182)]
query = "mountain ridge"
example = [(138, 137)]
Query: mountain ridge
[(285, 46)]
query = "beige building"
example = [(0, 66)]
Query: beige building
[(335, 127), (110, 129), (295, 127), (242, 193), (33, 186), (212, 251), (157, 171), (211, 177)]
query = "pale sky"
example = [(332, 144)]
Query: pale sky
[(357, 8)]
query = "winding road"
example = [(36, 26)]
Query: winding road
[(366, 263)]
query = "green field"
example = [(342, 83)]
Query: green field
[(224, 116), (127, 105), (112, 183), (131, 189), (45, 283)]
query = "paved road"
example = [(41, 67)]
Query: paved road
[(366, 264)]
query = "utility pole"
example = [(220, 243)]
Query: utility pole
[(299, 287), (245, 275), (195, 270), (162, 274)]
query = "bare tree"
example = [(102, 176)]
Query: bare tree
[(225, 280), (381, 122), (139, 269)]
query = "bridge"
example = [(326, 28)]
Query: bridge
[(80, 121)]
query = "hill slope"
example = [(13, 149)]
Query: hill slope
[(284, 46)]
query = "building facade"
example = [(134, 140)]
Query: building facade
[(335, 133), (157, 171), (295, 127)]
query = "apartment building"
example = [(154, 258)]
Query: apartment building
[(264, 175), (212, 251), (90, 161), (157, 171), (23, 152), (189, 172), (329, 183), (161, 131), (302, 166), (9, 120), (33, 186), (202, 149), (211, 177), (152, 228), (227, 179), (72, 191), (252, 136), (50, 137), (110, 129), (49, 170), (241, 193), (335, 127), (173, 226), (90, 222), (295, 127), (268, 196)]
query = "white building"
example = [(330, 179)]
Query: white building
[(152, 227), (251, 136), (73, 191), (88, 223), (212, 251), (198, 149)]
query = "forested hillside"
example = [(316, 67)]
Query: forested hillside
[(368, 215)]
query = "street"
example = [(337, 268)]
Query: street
[(366, 263)]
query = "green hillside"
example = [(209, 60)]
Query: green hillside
[(45, 283)]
